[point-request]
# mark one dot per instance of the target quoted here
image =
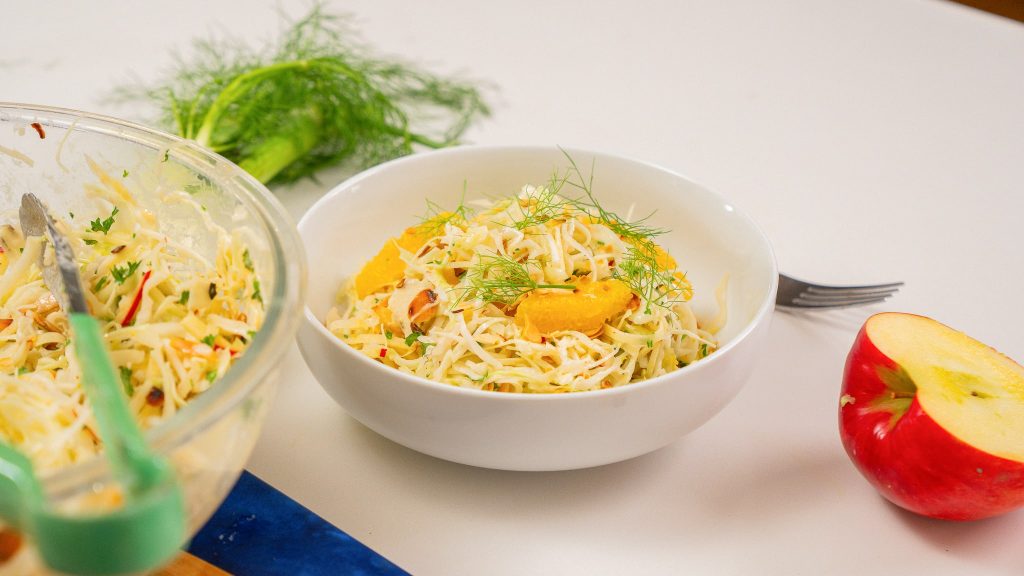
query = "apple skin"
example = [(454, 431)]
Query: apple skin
[(916, 464)]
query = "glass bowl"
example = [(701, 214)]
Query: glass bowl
[(47, 151)]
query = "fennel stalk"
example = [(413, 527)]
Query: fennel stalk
[(315, 99)]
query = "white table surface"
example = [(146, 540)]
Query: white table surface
[(873, 140)]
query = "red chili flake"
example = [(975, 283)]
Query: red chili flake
[(383, 352), (543, 340), (117, 249), (155, 397), (611, 262), (10, 543), (137, 301), (459, 311), (39, 129)]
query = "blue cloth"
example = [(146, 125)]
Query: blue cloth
[(260, 531)]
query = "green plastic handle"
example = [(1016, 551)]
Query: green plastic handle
[(132, 463), (143, 533), (138, 536), (20, 492)]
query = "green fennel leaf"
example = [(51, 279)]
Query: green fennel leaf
[(635, 231), (542, 204), (639, 270), (500, 279), (437, 216), (314, 99)]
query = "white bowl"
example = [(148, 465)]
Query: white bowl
[(708, 237)]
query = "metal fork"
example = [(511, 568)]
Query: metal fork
[(795, 293)]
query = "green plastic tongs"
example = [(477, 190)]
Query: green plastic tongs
[(148, 528)]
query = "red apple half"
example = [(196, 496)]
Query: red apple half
[(934, 419)]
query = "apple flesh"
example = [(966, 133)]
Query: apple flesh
[(934, 419)]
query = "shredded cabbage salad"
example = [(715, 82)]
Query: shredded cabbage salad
[(174, 321), (537, 293)]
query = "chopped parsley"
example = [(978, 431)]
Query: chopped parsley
[(184, 297), (247, 260), (122, 273), (256, 294), (208, 340), (126, 380), (100, 284), (104, 225), (415, 338)]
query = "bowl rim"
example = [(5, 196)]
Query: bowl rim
[(764, 310), (280, 323)]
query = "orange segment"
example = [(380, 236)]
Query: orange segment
[(662, 257), (667, 263), (683, 286), (584, 310), (387, 266)]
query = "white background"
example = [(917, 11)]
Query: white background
[(873, 140)]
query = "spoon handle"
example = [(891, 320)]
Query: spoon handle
[(130, 458)]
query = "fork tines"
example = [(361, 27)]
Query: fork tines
[(799, 294)]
